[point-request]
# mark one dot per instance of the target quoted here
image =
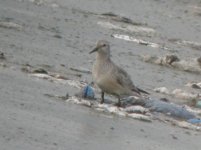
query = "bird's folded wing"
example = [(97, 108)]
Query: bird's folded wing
[(124, 79)]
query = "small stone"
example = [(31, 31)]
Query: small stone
[(171, 58), (55, 144), (57, 36), (164, 99), (40, 70), (2, 56), (25, 69), (199, 61), (112, 128), (195, 86), (142, 130), (174, 137)]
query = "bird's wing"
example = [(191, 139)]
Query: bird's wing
[(124, 79)]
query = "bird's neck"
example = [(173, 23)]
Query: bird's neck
[(101, 65), (102, 57)]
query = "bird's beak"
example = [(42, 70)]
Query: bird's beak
[(94, 50)]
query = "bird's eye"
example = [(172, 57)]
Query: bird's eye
[(104, 45)]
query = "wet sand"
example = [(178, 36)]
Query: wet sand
[(57, 35)]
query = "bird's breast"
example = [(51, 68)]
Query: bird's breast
[(99, 70)]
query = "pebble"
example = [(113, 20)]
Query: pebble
[(2, 56), (40, 70)]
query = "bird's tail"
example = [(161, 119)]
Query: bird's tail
[(142, 91)]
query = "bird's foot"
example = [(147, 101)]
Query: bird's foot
[(118, 104), (102, 101)]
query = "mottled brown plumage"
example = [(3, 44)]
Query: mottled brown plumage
[(109, 77)]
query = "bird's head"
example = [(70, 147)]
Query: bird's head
[(102, 47)]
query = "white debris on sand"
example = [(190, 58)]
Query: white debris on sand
[(162, 90), (178, 93), (10, 25), (194, 45), (191, 65), (135, 111), (80, 69), (126, 27), (139, 41), (113, 109), (142, 115), (53, 78), (195, 9), (186, 125), (196, 111), (75, 100), (37, 2)]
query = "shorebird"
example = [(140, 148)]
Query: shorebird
[(109, 77)]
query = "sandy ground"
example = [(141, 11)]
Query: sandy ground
[(57, 35)]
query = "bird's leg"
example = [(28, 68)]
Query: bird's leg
[(102, 97), (119, 102)]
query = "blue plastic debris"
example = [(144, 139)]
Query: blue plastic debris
[(157, 105), (194, 121), (198, 104), (168, 108), (86, 92)]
